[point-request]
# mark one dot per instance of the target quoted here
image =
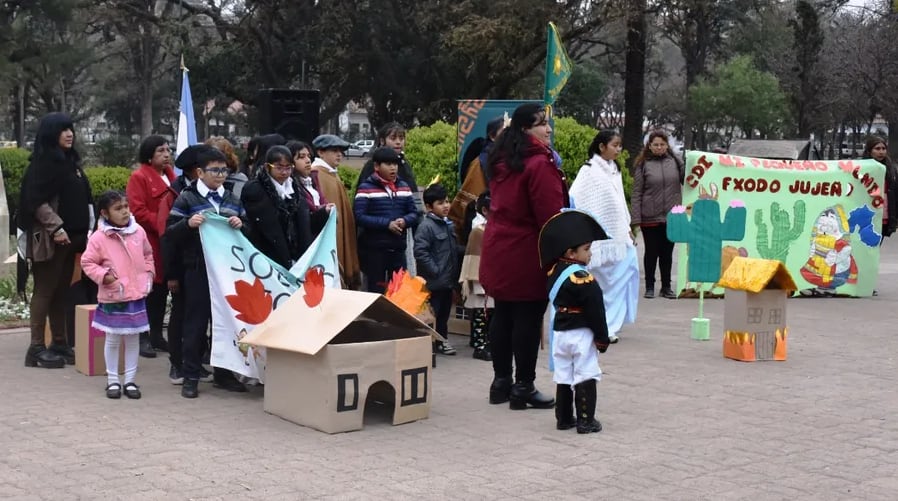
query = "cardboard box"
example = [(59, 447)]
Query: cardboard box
[(755, 325), (90, 359), (324, 363)]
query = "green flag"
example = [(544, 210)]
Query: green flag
[(558, 66)]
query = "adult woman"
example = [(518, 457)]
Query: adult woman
[(877, 149), (150, 197), (235, 179), (53, 185), (526, 189), (280, 223), (599, 189), (657, 181)]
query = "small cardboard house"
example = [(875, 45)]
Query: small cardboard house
[(755, 326), (90, 344), (324, 362)]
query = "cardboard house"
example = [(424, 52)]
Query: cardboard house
[(325, 362), (90, 344), (755, 322)]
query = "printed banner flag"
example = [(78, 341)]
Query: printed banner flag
[(822, 219), (186, 122), (558, 66), (246, 286)]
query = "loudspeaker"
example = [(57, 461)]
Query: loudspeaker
[(290, 113)]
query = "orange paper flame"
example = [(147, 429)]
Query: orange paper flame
[(407, 292)]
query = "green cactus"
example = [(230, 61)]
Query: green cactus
[(705, 234), (777, 245)]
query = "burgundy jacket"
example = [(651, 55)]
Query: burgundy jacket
[(521, 202), (151, 200)]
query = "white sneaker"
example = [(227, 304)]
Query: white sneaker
[(613, 339)]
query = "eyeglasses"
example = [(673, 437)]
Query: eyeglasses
[(281, 167), (218, 171)]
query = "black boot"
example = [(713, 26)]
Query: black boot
[(190, 389), (524, 394), (586, 408), (146, 348), (500, 389), (158, 342), (65, 352), (564, 407), (39, 356)]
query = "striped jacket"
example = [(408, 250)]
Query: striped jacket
[(375, 206), (184, 241)]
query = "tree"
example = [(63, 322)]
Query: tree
[(634, 79), (583, 93), (808, 42)]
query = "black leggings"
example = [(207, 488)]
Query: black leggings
[(657, 248), (515, 332)]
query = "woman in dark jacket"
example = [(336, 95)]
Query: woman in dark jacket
[(657, 187), (53, 186), (877, 149), (526, 188), (280, 222)]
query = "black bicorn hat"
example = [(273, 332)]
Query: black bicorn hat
[(566, 230)]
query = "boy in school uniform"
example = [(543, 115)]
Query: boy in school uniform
[(384, 210), (436, 255), (577, 317), (206, 194)]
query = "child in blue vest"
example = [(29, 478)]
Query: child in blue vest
[(577, 317)]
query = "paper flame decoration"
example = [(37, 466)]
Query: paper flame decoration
[(407, 292)]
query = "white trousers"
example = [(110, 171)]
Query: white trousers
[(575, 357), (111, 351)]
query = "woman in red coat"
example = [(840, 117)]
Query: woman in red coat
[(527, 188), (151, 196)]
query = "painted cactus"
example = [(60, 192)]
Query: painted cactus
[(776, 246), (705, 234)]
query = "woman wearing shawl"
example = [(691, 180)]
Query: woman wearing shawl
[(599, 190)]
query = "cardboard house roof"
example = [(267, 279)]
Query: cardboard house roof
[(296, 327), (755, 275)]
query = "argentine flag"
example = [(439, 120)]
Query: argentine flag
[(186, 122)]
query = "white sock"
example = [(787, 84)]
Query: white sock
[(110, 353), (132, 351)]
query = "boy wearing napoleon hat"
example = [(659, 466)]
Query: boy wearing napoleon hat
[(577, 317)]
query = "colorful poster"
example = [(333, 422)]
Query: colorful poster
[(823, 219), (246, 286), (473, 115)]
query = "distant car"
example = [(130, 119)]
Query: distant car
[(360, 148)]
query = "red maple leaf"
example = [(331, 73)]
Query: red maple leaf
[(314, 286), (251, 302)]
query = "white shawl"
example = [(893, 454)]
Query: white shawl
[(599, 190)]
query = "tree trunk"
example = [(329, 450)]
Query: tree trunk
[(20, 115), (146, 108), (634, 84)]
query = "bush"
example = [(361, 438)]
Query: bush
[(432, 152), (349, 176), (572, 141), (107, 178), (112, 151), (13, 162)]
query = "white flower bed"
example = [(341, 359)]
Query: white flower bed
[(13, 310)]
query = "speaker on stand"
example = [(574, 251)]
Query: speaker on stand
[(290, 113)]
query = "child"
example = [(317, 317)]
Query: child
[(119, 259), (476, 300), (302, 169), (436, 253), (206, 194), (384, 209), (577, 316)]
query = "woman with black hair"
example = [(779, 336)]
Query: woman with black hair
[(877, 149), (54, 185), (526, 189), (280, 222)]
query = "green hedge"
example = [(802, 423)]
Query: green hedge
[(107, 178)]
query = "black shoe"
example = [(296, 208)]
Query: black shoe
[(132, 391), (228, 382), (159, 343), (39, 356), (525, 394), (649, 293), (500, 390), (206, 376), (65, 352), (146, 348), (668, 293), (564, 407), (175, 375), (481, 354), (586, 408), (190, 388), (114, 391)]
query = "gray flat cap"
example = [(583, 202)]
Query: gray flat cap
[(329, 141)]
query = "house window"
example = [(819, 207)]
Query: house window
[(347, 388), (755, 315), (414, 386), (776, 316), (462, 313)]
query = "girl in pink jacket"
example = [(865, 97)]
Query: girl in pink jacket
[(119, 259)]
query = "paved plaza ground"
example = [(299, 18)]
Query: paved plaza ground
[(680, 423)]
